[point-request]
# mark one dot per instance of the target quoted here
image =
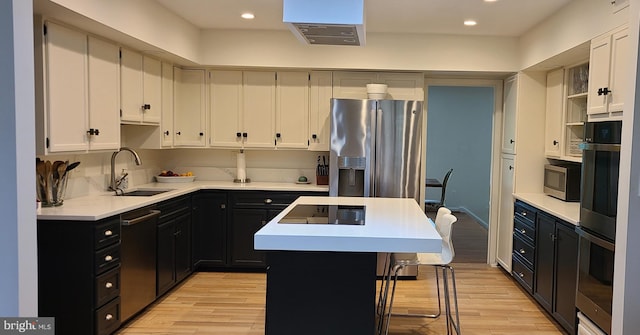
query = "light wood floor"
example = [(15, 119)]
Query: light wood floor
[(233, 303)]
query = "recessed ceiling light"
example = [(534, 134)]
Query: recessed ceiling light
[(247, 16), (470, 22)]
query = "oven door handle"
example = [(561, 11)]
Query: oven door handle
[(600, 146), (152, 213), (594, 239)]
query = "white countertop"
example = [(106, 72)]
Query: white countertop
[(391, 225), (100, 206), (568, 211)]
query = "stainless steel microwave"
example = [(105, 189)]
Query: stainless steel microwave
[(562, 181)]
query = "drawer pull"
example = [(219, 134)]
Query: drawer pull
[(108, 284), (108, 233), (520, 274), (523, 232), (108, 258), (108, 317), (524, 213), (268, 201), (522, 251)]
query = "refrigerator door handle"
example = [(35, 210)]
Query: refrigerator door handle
[(377, 155)]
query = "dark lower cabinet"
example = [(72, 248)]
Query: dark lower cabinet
[(209, 218), (79, 275), (224, 224), (566, 268), (174, 243), (555, 267)]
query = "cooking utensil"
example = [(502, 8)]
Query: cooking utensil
[(48, 181), (40, 173)]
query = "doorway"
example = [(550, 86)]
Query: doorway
[(462, 116)]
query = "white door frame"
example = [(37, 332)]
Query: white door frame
[(496, 139)]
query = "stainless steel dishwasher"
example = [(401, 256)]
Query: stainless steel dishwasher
[(138, 260)]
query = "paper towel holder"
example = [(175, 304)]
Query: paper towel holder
[(241, 166)]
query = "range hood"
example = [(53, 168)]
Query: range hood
[(326, 22)]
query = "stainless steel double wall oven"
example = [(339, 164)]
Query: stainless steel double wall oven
[(597, 229)]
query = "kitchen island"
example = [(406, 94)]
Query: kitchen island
[(321, 278)]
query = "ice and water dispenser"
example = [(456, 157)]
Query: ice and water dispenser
[(351, 176)]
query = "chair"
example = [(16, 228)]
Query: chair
[(444, 224), (435, 204)]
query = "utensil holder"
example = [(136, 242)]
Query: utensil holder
[(52, 193), (322, 180)]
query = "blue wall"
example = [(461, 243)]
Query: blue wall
[(459, 127)]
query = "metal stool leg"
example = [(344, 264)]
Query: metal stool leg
[(451, 324), (432, 316), (396, 269)]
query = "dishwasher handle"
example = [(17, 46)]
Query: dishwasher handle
[(130, 222)]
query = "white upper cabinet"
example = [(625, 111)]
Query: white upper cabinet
[(167, 105), (292, 110), (141, 88), (352, 85), (79, 93), (509, 115), (553, 113), (259, 106), (225, 94), (320, 95), (607, 72), (104, 102), (189, 107), (401, 86)]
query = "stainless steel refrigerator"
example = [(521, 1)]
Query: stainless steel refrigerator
[(376, 150)]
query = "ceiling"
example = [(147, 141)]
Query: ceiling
[(499, 18)]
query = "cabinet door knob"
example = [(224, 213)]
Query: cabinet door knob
[(108, 233), (510, 167), (108, 284), (523, 232), (555, 142), (268, 201), (278, 135), (108, 258), (93, 131), (524, 213), (166, 132), (108, 317), (146, 107), (201, 134), (511, 141), (245, 135), (314, 136), (179, 133), (522, 251), (223, 206), (520, 274), (238, 134)]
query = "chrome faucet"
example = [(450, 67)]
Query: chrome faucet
[(116, 183)]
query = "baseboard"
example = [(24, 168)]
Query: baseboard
[(471, 214)]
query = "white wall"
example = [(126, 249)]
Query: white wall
[(18, 255), (574, 24), (143, 20), (383, 51)]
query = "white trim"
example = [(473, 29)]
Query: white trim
[(494, 191)]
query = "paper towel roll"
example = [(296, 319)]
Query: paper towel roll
[(241, 166)]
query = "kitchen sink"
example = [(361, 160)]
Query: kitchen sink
[(142, 193)]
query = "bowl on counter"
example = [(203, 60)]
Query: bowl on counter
[(175, 179)]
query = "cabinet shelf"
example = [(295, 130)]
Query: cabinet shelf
[(577, 95)]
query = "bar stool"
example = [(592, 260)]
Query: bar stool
[(440, 261)]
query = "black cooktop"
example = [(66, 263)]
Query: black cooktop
[(325, 214)]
